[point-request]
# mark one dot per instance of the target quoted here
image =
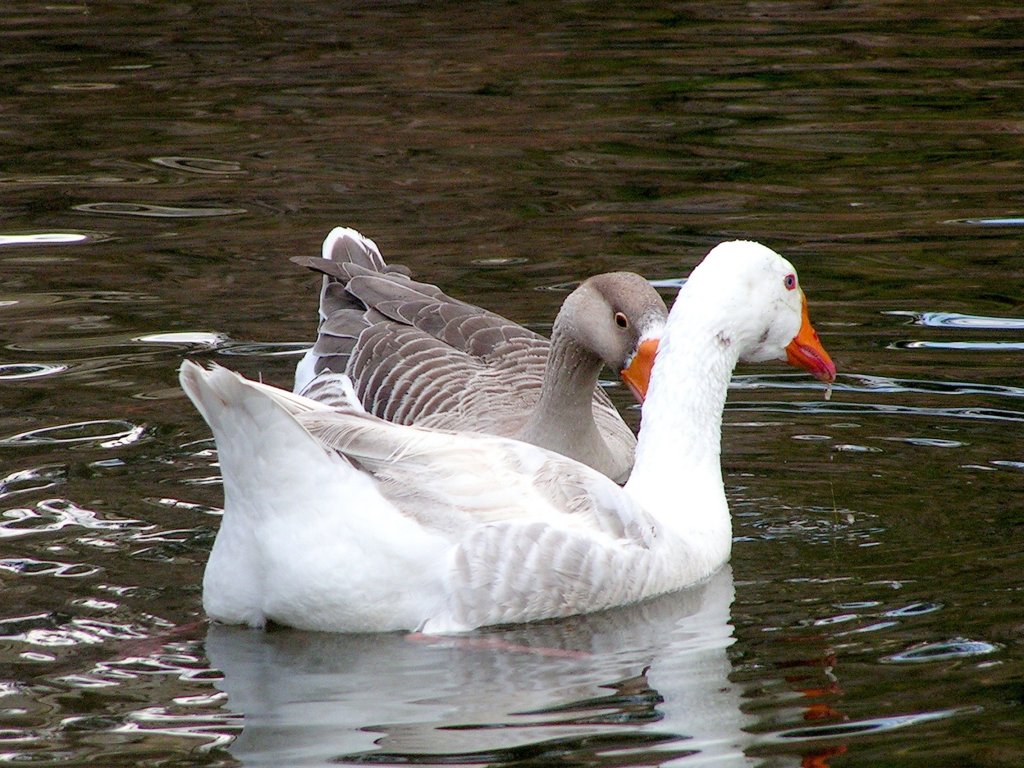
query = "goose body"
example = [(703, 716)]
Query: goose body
[(417, 356), (335, 519)]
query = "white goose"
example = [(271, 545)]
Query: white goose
[(336, 520), (417, 356)]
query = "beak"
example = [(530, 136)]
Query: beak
[(637, 375), (805, 351)]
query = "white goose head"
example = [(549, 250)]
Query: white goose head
[(748, 298), (762, 306)]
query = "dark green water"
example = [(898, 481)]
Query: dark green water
[(159, 163)]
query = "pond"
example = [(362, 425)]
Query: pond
[(159, 165)]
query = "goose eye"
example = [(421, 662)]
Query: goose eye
[(790, 281), (621, 320)]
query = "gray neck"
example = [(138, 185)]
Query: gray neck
[(564, 417)]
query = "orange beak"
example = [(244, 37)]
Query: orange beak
[(637, 375), (805, 351)]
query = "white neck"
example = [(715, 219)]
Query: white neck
[(678, 473)]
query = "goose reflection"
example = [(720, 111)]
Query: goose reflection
[(638, 685)]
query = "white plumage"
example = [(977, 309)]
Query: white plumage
[(337, 520)]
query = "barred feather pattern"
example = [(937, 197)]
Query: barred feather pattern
[(579, 545), (418, 356)]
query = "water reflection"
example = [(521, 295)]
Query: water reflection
[(960, 320), (995, 221), (107, 433), (203, 166), (957, 648), (962, 346), (44, 238), (649, 683), (156, 211), (17, 371)]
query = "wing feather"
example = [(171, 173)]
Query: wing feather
[(417, 355), (489, 478)]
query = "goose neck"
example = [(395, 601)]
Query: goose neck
[(567, 390), (679, 447)]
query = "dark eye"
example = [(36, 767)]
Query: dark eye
[(790, 281), (621, 320)]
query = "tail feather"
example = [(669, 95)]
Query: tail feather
[(345, 254), (282, 489), (268, 459), (343, 244), (217, 388)]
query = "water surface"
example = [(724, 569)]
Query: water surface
[(161, 162)]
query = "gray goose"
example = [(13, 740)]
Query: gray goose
[(417, 356)]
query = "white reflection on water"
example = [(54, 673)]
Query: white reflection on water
[(647, 684), (309, 698), (44, 238)]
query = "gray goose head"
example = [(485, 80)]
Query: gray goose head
[(618, 317)]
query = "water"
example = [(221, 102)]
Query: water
[(159, 165)]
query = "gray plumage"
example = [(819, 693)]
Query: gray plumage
[(418, 356)]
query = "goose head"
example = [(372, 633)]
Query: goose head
[(618, 317), (763, 311)]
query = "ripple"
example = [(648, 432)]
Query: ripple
[(57, 514), (926, 442), (1008, 463), (961, 346), (612, 748), (43, 238), (91, 603), (852, 448), (779, 381), (26, 566), (155, 211), (560, 287), (872, 725), (33, 479), (172, 546), (995, 221), (20, 625), (667, 283), (677, 164), (84, 86), (189, 506), (957, 648), (210, 480), (846, 409), (201, 165), (19, 371), (862, 383), (41, 300), (184, 339), (170, 661), (499, 261), (109, 433), (75, 179), (56, 630), (266, 349), (216, 729), (914, 609), (958, 320), (823, 526)]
